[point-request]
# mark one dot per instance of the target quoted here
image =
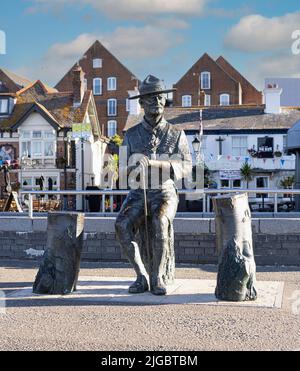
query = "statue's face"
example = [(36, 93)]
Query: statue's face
[(153, 104)]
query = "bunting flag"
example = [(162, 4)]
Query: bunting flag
[(265, 160), (247, 159), (211, 156), (282, 162), (238, 158), (219, 157), (229, 157)]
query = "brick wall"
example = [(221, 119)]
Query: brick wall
[(276, 241), (250, 95), (111, 67), (224, 79), (220, 83)]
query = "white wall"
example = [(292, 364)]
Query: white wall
[(212, 146), (35, 122), (93, 163), (216, 164)]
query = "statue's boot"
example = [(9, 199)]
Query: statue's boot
[(158, 286), (139, 286), (133, 254)]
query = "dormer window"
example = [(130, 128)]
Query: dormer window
[(4, 106)]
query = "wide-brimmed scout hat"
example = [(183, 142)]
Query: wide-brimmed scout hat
[(152, 85)]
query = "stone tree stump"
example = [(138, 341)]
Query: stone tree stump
[(237, 268), (59, 270)]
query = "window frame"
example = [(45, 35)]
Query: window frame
[(96, 79), (242, 150), (109, 86), (202, 76), (4, 113), (115, 129), (115, 113), (222, 96), (96, 64), (28, 141), (205, 100), (186, 98)]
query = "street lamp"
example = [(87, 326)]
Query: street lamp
[(196, 145)]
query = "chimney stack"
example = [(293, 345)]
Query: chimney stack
[(78, 85), (272, 95)]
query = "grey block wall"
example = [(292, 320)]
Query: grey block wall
[(276, 241)]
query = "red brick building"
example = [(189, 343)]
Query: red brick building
[(214, 83), (110, 82)]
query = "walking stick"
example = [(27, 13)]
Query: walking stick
[(146, 221)]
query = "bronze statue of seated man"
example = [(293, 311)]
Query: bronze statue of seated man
[(163, 150)]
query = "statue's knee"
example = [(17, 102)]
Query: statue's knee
[(122, 226)]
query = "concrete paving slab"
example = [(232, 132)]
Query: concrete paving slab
[(112, 290)]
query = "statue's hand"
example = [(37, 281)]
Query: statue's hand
[(159, 164), (145, 162)]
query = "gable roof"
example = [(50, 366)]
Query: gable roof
[(96, 47), (57, 108), (206, 56), (99, 46), (36, 107), (16, 79), (228, 67)]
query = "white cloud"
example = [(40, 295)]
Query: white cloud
[(127, 9), (275, 65), (255, 33), (133, 45)]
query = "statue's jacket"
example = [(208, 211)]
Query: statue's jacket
[(163, 142)]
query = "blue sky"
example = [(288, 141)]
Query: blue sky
[(162, 37)]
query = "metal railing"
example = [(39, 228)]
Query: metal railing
[(261, 198)]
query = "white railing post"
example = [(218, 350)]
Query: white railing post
[(276, 203), (103, 203), (111, 203), (204, 203), (208, 204), (30, 206)]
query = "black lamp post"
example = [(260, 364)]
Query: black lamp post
[(196, 145)]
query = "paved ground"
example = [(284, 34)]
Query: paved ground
[(66, 325)]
